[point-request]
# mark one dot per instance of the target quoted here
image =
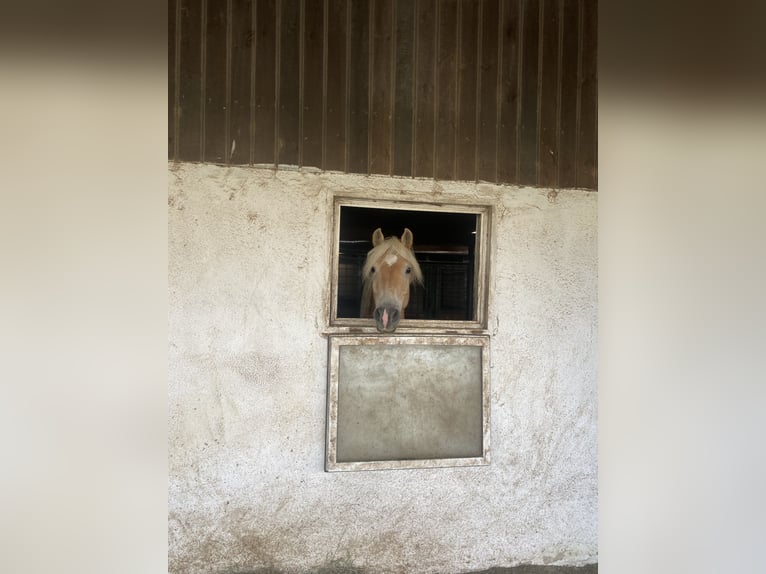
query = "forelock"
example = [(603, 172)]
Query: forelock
[(392, 246)]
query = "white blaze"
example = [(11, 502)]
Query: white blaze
[(390, 259)]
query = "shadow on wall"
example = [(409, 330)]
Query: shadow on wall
[(344, 567)]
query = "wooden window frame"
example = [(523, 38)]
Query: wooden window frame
[(336, 342), (417, 326)]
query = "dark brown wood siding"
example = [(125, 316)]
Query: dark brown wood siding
[(504, 91)]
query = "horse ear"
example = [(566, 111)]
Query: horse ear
[(407, 238), (377, 237)]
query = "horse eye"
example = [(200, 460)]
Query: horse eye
[(408, 269), (372, 270)]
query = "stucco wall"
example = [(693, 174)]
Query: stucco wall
[(248, 271)]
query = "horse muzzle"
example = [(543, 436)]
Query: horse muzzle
[(387, 318)]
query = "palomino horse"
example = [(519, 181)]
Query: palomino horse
[(387, 274)]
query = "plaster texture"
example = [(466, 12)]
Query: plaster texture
[(248, 292)]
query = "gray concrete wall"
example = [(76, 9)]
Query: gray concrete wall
[(248, 279)]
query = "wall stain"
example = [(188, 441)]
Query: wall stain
[(176, 201)]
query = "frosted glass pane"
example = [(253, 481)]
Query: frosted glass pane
[(408, 402)]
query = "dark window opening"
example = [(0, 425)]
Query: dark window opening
[(445, 247)]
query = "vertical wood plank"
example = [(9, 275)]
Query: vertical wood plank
[(359, 68), (569, 90), (587, 176), (548, 151), (242, 37), (190, 82), (381, 88), (507, 137), (265, 81), (289, 80), (467, 97), (335, 134), (446, 98), (172, 4), (214, 150), (404, 85), (313, 67), (488, 95), (528, 118), (425, 41)]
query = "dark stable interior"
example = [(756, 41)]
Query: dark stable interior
[(444, 245)]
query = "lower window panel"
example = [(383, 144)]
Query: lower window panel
[(407, 402)]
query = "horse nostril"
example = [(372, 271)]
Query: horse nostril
[(386, 318)]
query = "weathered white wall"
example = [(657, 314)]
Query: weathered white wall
[(249, 259)]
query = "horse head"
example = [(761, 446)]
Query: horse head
[(388, 272)]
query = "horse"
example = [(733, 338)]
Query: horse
[(387, 273)]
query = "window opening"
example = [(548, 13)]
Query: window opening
[(444, 243)]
